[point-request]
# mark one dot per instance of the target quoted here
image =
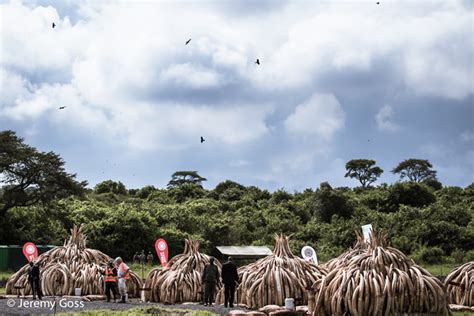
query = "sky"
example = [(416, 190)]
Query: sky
[(337, 80)]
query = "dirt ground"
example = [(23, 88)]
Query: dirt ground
[(49, 305)]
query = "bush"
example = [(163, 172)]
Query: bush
[(429, 255), (469, 256), (458, 255), (409, 193), (329, 202)]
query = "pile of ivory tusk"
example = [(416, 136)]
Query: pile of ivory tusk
[(460, 285), (272, 279), (359, 247), (379, 280), (64, 268), (181, 279)]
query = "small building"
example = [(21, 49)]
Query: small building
[(244, 252)]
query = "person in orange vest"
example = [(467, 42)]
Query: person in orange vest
[(123, 274), (110, 278)]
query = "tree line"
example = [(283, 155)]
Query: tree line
[(431, 222)]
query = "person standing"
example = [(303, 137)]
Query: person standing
[(34, 279), (142, 257), (123, 274), (210, 276), (110, 278), (149, 258), (230, 278)]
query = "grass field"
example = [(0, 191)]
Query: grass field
[(137, 268), (441, 269), (4, 275)]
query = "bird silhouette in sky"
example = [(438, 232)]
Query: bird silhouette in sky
[(62, 107), (257, 61), (378, 2), (202, 140), (187, 42), (53, 25)]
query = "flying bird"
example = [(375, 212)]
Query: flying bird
[(187, 42), (202, 140), (257, 61), (378, 2), (53, 25), (62, 107)]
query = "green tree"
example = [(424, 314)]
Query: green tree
[(186, 191), (409, 193), (29, 177), (364, 170), (109, 186), (228, 191), (122, 231), (181, 177), (329, 202), (417, 170), (144, 192)]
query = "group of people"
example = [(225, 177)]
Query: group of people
[(117, 273), (142, 258), (230, 279)]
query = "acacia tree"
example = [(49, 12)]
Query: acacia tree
[(29, 177), (363, 170), (181, 177), (417, 170)]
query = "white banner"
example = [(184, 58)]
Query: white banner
[(366, 229), (309, 254)]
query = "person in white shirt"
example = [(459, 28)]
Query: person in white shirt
[(123, 274)]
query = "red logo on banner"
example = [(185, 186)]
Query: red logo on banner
[(161, 248), (30, 251)]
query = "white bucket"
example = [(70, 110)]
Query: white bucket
[(290, 304), (77, 291)]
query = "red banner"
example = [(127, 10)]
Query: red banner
[(30, 251), (161, 248)]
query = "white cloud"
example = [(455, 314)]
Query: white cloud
[(239, 163), (384, 119), (454, 166), (122, 69), (193, 76), (467, 136), (12, 86), (320, 116), (304, 169), (144, 126), (424, 41)]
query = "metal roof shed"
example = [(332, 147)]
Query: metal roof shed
[(245, 252)]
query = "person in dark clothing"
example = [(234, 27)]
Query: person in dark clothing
[(149, 258), (143, 257), (210, 276), (34, 279), (230, 278), (110, 278)]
